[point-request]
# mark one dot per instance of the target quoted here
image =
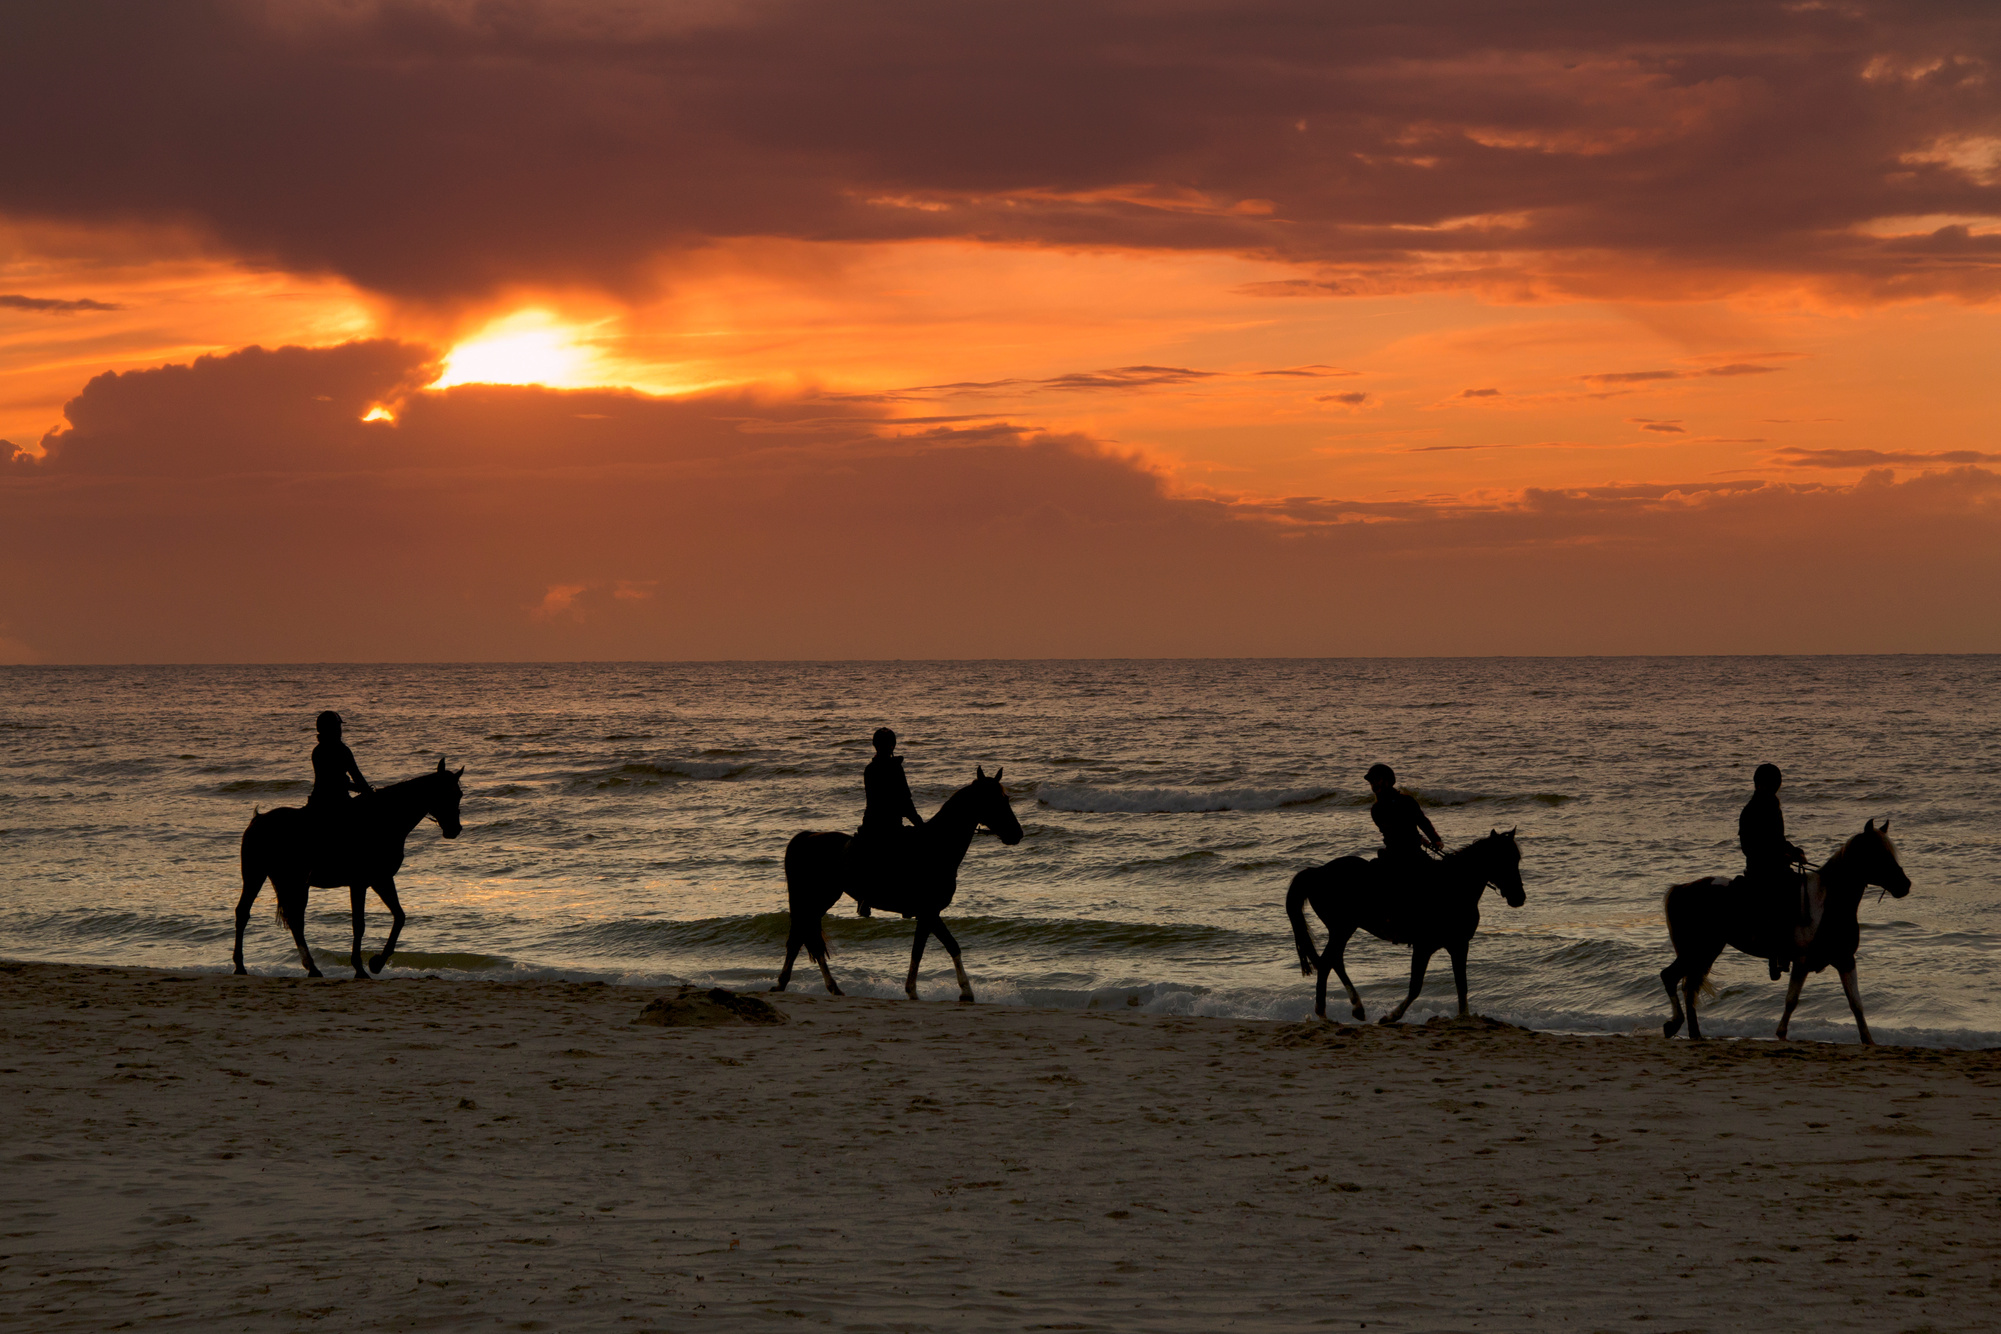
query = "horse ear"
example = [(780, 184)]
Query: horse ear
[(998, 773), (1511, 830), (1868, 826), (1493, 832), (441, 764), (1885, 828), (459, 772), (979, 771)]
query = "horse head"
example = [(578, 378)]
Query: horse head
[(443, 799), (993, 808), (1876, 855), (1502, 865)]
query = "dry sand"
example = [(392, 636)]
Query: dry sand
[(224, 1153)]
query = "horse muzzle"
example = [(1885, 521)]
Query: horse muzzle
[(1898, 891), (452, 830)]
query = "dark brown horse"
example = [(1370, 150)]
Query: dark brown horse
[(920, 884), (1442, 911), (1705, 915), (287, 847)]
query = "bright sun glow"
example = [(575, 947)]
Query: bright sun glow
[(525, 348), (378, 413)]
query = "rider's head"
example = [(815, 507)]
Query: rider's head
[(1765, 778), (885, 741), (1381, 776), (329, 723)]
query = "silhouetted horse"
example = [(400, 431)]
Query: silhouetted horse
[(285, 846), (1442, 912), (924, 879), (1705, 915)]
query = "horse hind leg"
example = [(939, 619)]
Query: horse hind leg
[(1692, 979), (358, 898), (951, 945), (1458, 953), (1336, 957), (253, 882), (1671, 978), (292, 909)]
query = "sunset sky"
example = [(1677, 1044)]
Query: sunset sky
[(593, 329)]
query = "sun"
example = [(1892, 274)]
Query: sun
[(528, 347)]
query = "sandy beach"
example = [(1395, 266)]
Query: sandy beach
[(200, 1151)]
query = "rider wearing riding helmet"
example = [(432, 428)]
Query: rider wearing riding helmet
[(1405, 828), (335, 773), (1769, 857)]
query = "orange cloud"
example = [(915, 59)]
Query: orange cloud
[(845, 535)]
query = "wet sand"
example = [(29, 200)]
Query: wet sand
[(258, 1153)]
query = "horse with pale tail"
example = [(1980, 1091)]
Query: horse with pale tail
[(1703, 916)]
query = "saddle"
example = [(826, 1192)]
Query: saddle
[(880, 864)]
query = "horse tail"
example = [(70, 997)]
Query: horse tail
[(1679, 939), (811, 931), (1295, 908)]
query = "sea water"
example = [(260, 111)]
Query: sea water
[(628, 822)]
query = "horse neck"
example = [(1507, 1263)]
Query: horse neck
[(1466, 869), (1841, 878), (403, 804), (956, 820)]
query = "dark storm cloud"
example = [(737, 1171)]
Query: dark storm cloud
[(447, 150), (48, 305)]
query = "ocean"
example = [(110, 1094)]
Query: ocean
[(627, 822)]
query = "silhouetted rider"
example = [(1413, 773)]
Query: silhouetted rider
[(1769, 858), (889, 805), (335, 773), (888, 791), (1405, 828)]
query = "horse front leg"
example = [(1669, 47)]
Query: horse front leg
[(924, 926), (386, 891), (951, 945), (1793, 986), (1458, 953), (1420, 961), (1855, 1004), (358, 898)]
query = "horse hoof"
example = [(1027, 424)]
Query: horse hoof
[(1359, 1013), (1387, 1020), (1670, 1028), (777, 989), (966, 999), (375, 963), (241, 971)]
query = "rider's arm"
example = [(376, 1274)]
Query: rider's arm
[(354, 777), (910, 806), (1430, 834)]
